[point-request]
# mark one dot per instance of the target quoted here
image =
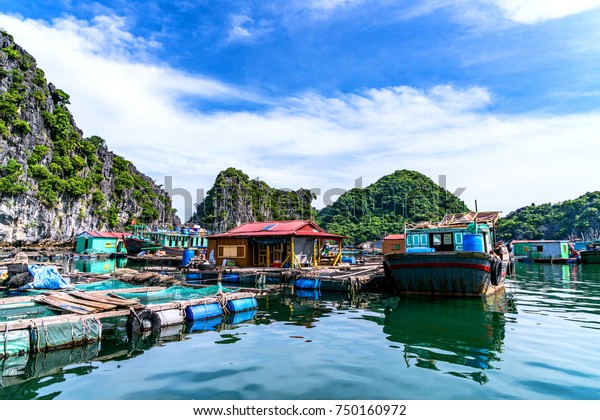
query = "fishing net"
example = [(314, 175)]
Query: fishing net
[(104, 285), (23, 310), (176, 293)]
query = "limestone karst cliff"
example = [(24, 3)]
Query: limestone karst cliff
[(54, 182)]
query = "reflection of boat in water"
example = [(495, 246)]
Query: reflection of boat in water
[(462, 337)]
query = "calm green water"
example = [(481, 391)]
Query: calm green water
[(539, 340)]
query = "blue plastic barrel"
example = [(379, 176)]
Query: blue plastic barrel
[(231, 278), (350, 260), (210, 310), (239, 317), (201, 325), (188, 254), (193, 276), (314, 294), (307, 284), (240, 305), (473, 242)]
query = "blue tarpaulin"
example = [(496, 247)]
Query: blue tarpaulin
[(45, 277)]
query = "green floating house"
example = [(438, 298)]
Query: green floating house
[(91, 241), (541, 250)]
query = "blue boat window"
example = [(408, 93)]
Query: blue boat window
[(269, 226), (424, 240), (415, 240)]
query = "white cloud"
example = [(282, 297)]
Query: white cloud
[(245, 29), (534, 11), (332, 4), (496, 14), (309, 141)]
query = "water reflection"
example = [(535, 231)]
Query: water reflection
[(441, 334), (93, 265), (25, 376), (567, 291)]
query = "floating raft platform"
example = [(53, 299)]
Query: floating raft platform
[(80, 314), (342, 278)]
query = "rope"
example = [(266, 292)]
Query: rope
[(222, 300), (132, 311)]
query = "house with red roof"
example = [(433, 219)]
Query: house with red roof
[(102, 242), (393, 244), (293, 243)]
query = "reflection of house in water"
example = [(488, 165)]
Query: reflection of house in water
[(446, 334)]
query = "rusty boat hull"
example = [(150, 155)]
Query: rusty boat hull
[(446, 273)]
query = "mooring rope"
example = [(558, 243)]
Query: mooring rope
[(222, 300)]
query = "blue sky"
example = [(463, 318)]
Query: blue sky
[(500, 96)]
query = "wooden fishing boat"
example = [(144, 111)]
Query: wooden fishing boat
[(170, 243), (591, 255), (455, 257)]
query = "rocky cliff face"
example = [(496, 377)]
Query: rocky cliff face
[(55, 183), (235, 199)]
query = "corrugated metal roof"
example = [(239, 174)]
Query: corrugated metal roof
[(470, 216), (306, 228), (98, 234)]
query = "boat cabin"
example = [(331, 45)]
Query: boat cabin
[(471, 231), (288, 243)]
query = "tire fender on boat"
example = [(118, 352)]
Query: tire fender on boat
[(141, 321), (496, 271)]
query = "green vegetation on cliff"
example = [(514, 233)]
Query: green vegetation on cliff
[(382, 208), (579, 218), (361, 214), (235, 199), (46, 162)]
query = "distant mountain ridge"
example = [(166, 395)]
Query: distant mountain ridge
[(361, 214), (577, 218), (235, 199), (54, 182), (369, 213)]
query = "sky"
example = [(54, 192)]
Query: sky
[(501, 98)]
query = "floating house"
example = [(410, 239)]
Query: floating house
[(100, 242), (288, 243), (393, 244), (541, 250)]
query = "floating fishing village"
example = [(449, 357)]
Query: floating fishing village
[(192, 276), (396, 274)]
